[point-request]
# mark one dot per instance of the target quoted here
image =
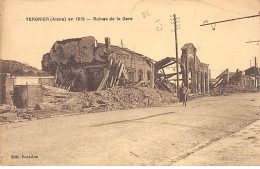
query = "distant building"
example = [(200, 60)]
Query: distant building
[(252, 72), (233, 78)]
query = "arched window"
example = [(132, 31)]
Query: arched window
[(140, 75)]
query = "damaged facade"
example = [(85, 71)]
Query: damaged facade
[(254, 73), (195, 74), (83, 64)]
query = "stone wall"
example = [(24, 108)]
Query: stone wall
[(27, 95)]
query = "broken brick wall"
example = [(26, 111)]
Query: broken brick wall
[(27, 95), (94, 76), (243, 80), (72, 52), (82, 78), (73, 55), (138, 68)]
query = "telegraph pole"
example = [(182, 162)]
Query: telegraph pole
[(122, 43), (255, 72), (177, 59)]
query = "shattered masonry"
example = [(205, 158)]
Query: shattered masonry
[(243, 78), (83, 64)]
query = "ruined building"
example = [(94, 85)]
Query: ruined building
[(195, 74), (248, 78), (83, 64), (254, 73)]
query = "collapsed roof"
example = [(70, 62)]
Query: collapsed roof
[(83, 51)]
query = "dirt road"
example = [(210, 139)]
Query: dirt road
[(220, 130)]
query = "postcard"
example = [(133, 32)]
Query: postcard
[(129, 83)]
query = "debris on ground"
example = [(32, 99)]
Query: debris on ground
[(7, 113), (231, 89), (8, 117), (232, 82), (57, 101), (121, 98)]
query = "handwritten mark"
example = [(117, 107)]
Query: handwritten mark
[(145, 14), (160, 27)]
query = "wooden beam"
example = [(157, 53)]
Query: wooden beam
[(168, 64), (104, 80)]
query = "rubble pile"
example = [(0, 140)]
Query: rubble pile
[(7, 113), (232, 82), (117, 98), (57, 101), (231, 89), (120, 98)]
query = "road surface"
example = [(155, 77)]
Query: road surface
[(223, 130)]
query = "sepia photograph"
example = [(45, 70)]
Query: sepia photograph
[(129, 83)]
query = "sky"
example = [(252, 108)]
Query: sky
[(149, 33)]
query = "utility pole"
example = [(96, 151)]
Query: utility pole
[(177, 59), (255, 72), (27, 97), (122, 43)]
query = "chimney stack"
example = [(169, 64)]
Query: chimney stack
[(107, 42)]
